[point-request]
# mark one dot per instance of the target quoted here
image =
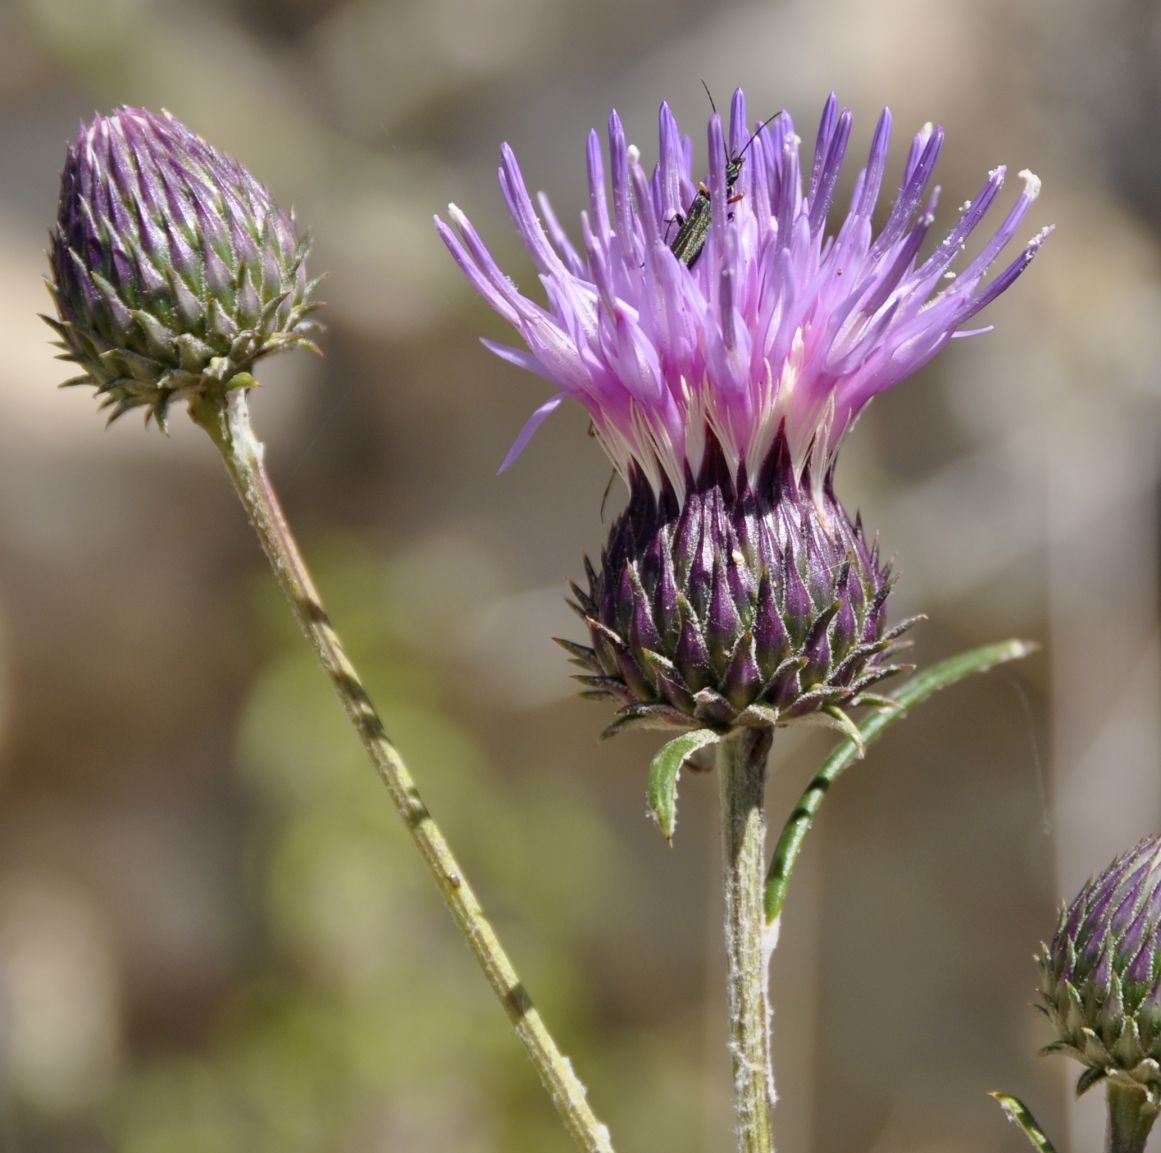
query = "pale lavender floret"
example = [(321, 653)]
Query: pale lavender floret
[(778, 325)]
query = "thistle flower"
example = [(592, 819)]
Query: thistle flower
[(1101, 976), (735, 589), (173, 271)]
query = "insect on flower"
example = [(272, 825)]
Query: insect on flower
[(693, 228)]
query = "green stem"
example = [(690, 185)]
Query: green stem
[(227, 422), (907, 696), (1131, 1116), (741, 762)]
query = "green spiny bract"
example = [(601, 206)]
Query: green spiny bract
[(1101, 976), (742, 605), (173, 271)]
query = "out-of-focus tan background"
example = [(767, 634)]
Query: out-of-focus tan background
[(214, 934)]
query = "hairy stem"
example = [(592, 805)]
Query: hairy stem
[(227, 422), (741, 763), (1131, 1116)]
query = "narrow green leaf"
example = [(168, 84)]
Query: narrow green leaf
[(1017, 1112), (663, 773), (911, 693)]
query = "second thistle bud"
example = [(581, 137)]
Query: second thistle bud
[(1101, 976), (173, 270)]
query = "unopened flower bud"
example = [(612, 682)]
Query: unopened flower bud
[(1101, 976), (173, 270)]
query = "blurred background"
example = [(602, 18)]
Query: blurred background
[(214, 933)]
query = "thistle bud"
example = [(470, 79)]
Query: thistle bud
[(1101, 976), (173, 270)]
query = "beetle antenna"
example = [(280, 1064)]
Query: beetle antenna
[(758, 132), (713, 106)]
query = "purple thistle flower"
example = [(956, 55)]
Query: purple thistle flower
[(781, 324), (1101, 976), (722, 390), (173, 270)]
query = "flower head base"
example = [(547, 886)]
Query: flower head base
[(1101, 976), (721, 378), (747, 605), (173, 270)]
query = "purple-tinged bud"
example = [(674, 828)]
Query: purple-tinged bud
[(173, 270), (1101, 976)]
